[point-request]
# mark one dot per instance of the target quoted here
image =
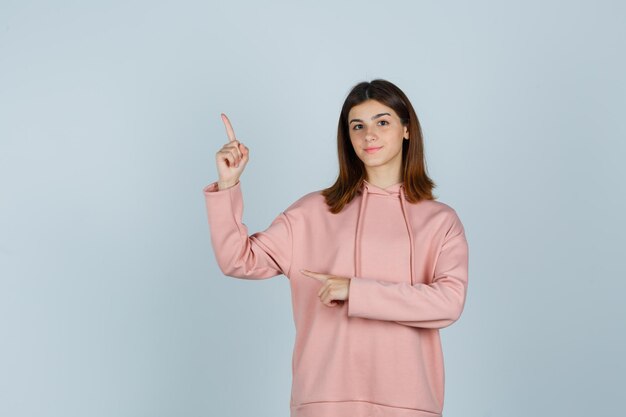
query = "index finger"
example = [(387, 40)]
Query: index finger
[(312, 274), (229, 128)]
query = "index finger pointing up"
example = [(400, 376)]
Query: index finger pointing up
[(229, 128)]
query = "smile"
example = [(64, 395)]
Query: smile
[(373, 150)]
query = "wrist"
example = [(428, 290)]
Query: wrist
[(224, 185)]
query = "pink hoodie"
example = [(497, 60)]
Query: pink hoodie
[(378, 353)]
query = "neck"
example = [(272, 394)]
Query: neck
[(383, 177)]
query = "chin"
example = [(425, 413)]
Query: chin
[(374, 164)]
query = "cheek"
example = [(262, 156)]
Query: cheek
[(354, 139), (400, 136), (357, 136)]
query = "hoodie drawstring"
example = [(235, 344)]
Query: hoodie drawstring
[(357, 243), (408, 226)]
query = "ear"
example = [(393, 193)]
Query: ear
[(406, 132)]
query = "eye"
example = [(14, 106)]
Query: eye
[(384, 121), (355, 127)]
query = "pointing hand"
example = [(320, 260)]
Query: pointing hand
[(335, 289)]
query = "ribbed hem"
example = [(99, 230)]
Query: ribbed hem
[(356, 409)]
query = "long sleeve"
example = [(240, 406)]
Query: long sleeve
[(434, 305), (261, 255)]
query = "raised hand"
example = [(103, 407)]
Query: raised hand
[(231, 159)]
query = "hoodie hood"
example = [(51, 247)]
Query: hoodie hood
[(395, 191)]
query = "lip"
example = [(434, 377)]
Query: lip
[(373, 150)]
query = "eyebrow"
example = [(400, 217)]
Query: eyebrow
[(373, 117)]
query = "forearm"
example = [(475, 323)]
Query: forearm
[(436, 304), (432, 306), (261, 255)]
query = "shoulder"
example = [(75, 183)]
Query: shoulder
[(307, 204), (313, 200), (441, 214), (436, 207)]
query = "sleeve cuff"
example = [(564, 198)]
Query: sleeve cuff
[(357, 297), (213, 188)]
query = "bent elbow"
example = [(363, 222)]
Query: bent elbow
[(454, 312), (452, 318), (234, 271), (232, 265)]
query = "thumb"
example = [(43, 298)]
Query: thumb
[(244, 151)]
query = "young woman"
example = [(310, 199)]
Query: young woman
[(376, 266)]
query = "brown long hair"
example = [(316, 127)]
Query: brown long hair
[(417, 185)]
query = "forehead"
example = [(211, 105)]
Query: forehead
[(369, 108)]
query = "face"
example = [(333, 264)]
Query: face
[(377, 133)]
